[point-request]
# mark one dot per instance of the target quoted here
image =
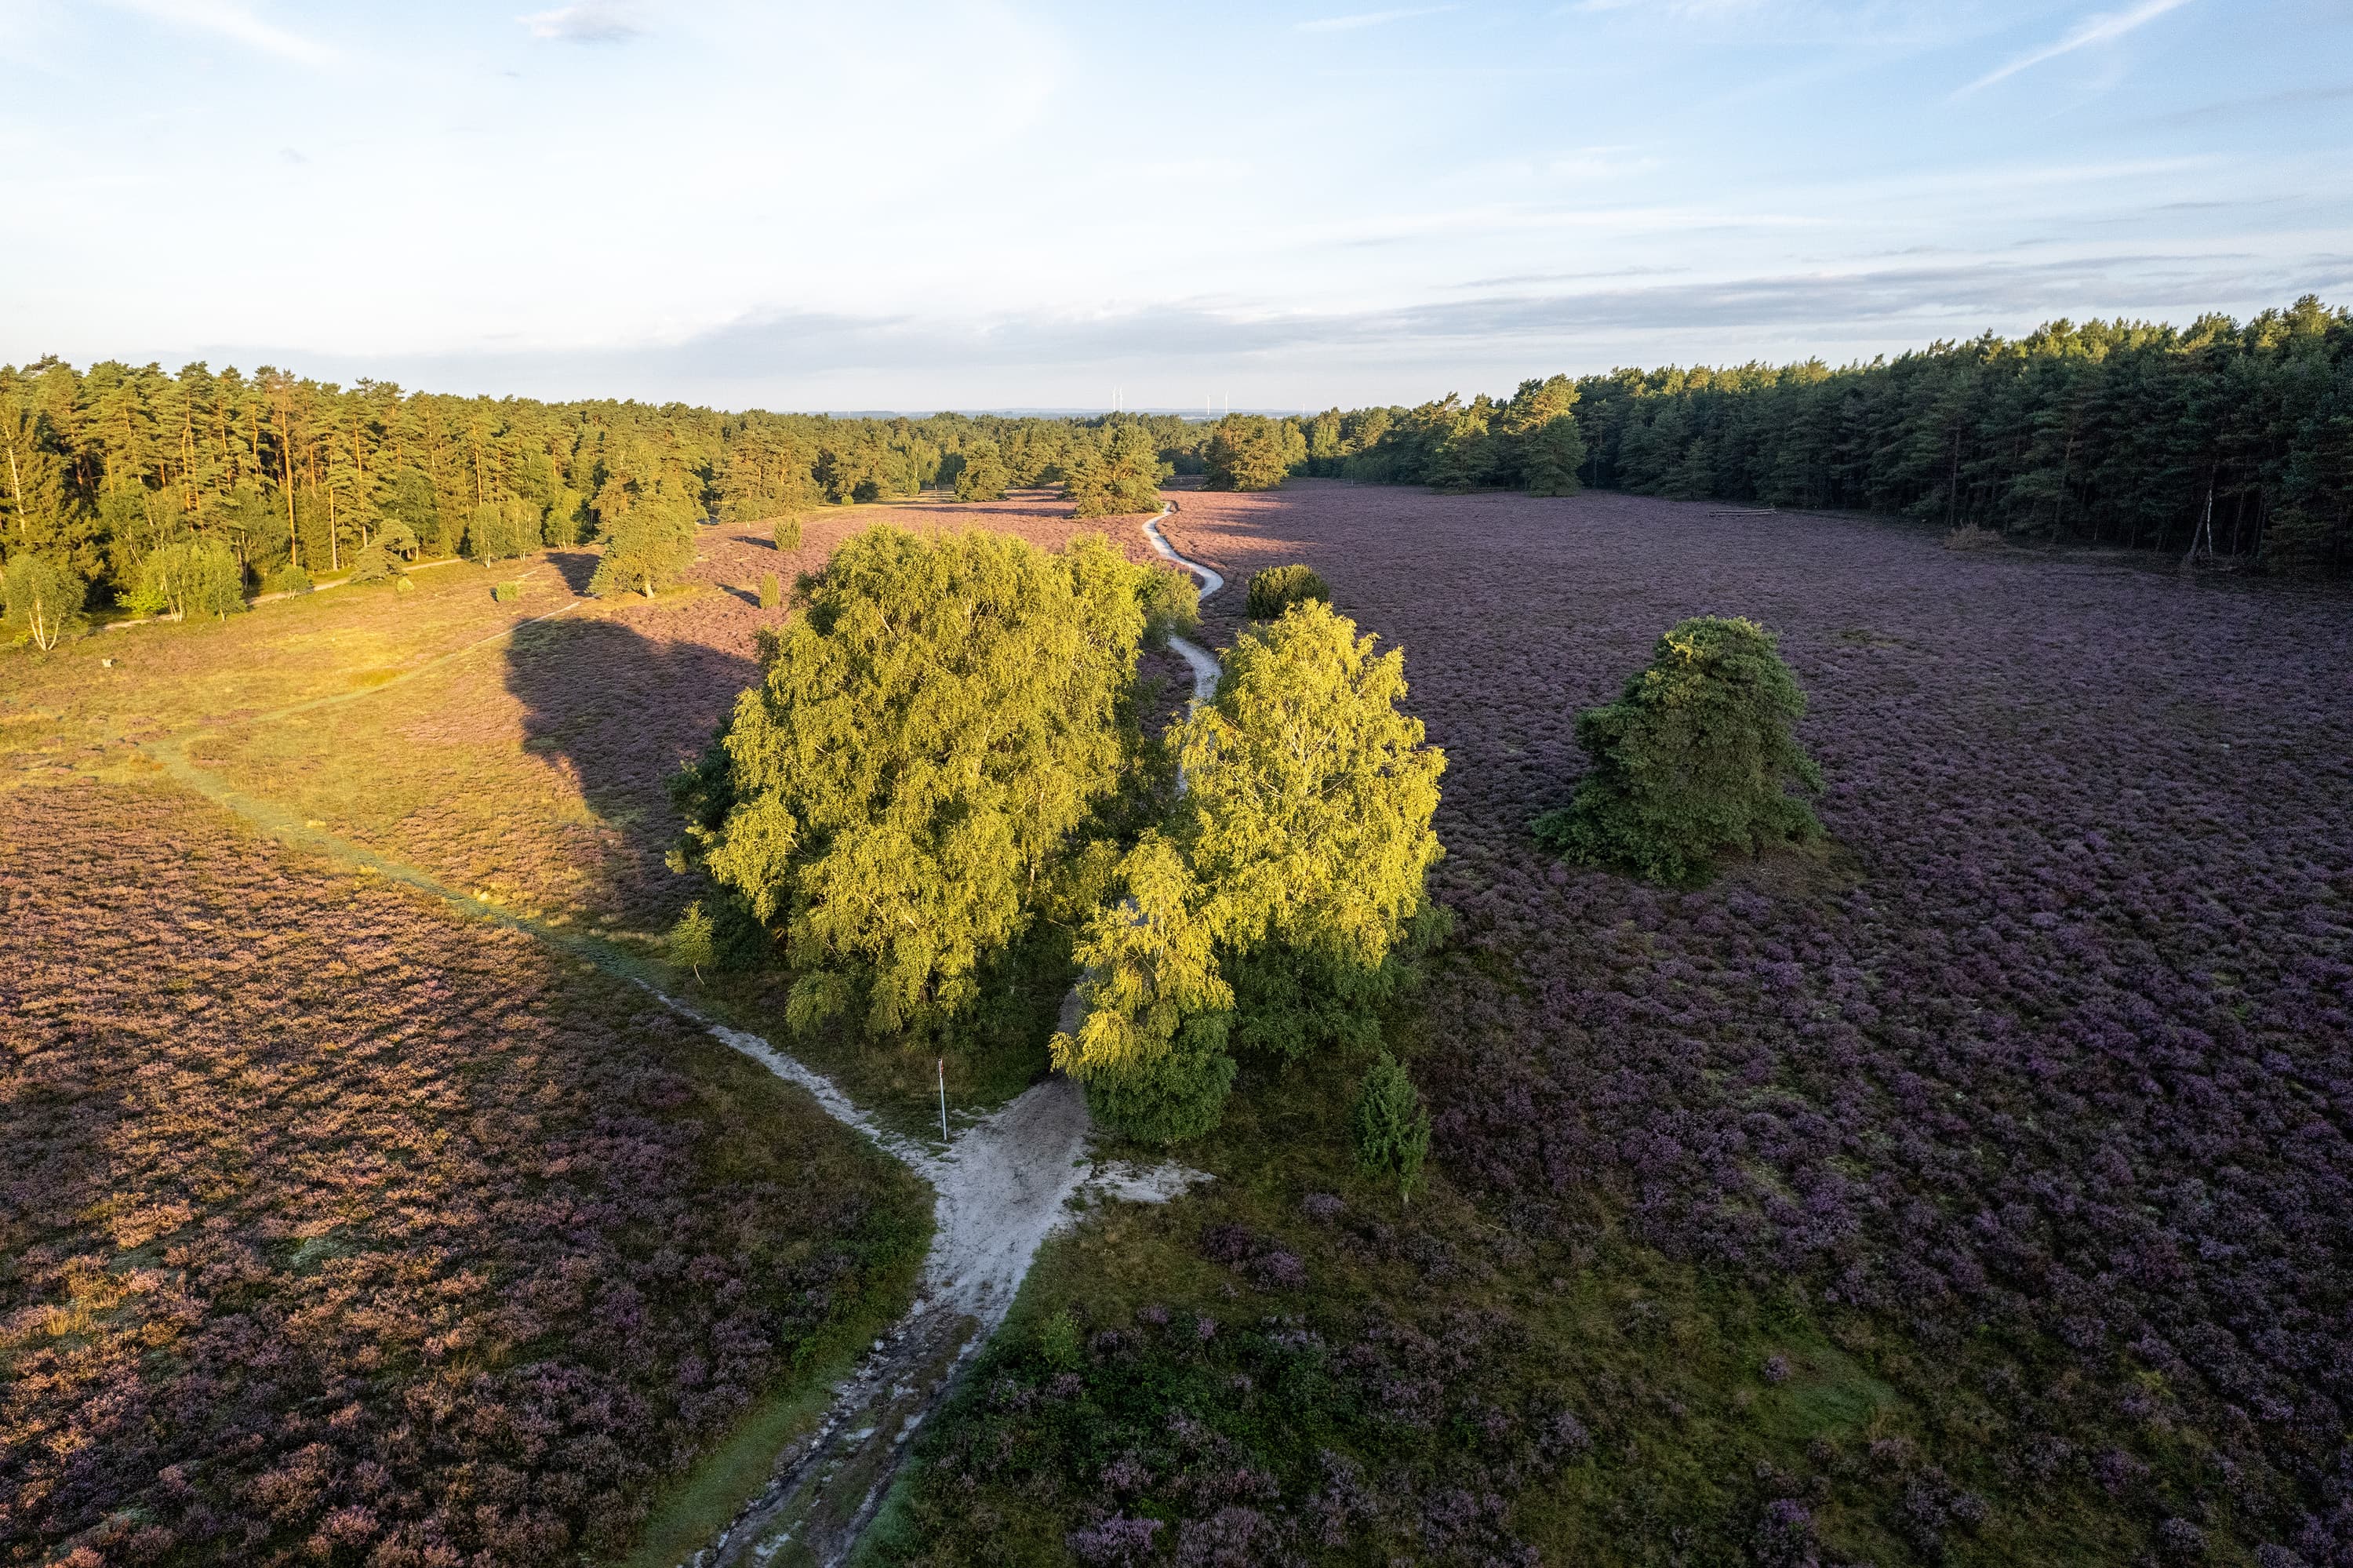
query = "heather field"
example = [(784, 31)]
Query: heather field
[(342, 1228), (1973, 1187)]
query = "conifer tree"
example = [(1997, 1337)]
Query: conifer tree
[(1696, 757), (983, 476), (1119, 476), (1551, 456), (1392, 1127)]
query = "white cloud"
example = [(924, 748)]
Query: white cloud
[(1366, 20), (589, 22), (2099, 29), (228, 19)]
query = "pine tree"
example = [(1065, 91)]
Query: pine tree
[(1696, 757), (983, 476), (1118, 477), (1552, 454), (1391, 1126)]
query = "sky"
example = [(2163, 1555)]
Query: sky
[(996, 205)]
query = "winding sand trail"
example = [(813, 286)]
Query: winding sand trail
[(1001, 1185)]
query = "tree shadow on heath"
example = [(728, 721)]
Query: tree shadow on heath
[(574, 566), (623, 710)]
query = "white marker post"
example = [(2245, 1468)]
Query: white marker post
[(944, 1099)]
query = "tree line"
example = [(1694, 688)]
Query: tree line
[(2229, 438), (289, 479), (2221, 438)]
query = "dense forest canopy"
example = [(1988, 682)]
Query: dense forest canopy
[(2127, 433), (103, 466), (2234, 438)]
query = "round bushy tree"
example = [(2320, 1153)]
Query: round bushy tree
[(1251, 452), (900, 796), (1279, 909), (1696, 757), (646, 548), (1277, 589)]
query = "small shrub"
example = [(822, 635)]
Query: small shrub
[(1969, 537), (690, 941), (1694, 757), (290, 578), (1057, 1341), (788, 533), (772, 590), (1274, 590), (1391, 1126), (1172, 605), (506, 593), (404, 586)]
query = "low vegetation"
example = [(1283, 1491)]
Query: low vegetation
[(1277, 589), (340, 1229)]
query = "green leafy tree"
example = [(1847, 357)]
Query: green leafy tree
[(902, 795), (1391, 1126), (188, 578), (1172, 605), (1248, 452), (1284, 904), (40, 600), (646, 548), (1119, 476), (1151, 1047), (502, 530), (983, 476), (1696, 757), (1277, 589), (690, 941)]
